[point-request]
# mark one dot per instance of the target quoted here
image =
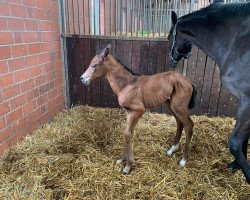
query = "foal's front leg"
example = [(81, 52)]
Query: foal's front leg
[(132, 118)]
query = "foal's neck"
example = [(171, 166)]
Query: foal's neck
[(116, 74)]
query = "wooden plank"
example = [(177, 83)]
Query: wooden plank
[(207, 85), (127, 53), (135, 63), (106, 102), (86, 56), (119, 48), (81, 89), (215, 92), (199, 76), (72, 73), (223, 101), (144, 54), (232, 106), (95, 85)]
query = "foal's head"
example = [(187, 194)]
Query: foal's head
[(96, 68), (180, 46)]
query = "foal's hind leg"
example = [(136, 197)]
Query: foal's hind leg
[(181, 111), (177, 137)]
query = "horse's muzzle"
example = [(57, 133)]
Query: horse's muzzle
[(85, 80)]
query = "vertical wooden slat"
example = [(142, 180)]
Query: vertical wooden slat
[(199, 75), (135, 55), (215, 92), (144, 54), (232, 106), (223, 100), (207, 84), (127, 53)]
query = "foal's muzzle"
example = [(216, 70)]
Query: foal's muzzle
[(85, 80)]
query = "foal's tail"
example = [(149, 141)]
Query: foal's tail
[(191, 103)]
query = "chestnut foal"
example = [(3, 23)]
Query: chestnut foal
[(137, 93)]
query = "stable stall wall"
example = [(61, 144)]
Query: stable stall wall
[(31, 78)]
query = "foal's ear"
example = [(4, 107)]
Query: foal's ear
[(106, 51), (174, 17)]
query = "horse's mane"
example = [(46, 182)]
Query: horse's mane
[(223, 11)]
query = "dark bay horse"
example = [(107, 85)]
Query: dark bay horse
[(137, 93), (223, 32)]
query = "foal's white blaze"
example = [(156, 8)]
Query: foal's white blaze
[(182, 163), (172, 149)]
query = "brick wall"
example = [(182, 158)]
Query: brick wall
[(31, 83)]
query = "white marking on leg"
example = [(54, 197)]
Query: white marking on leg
[(126, 169), (120, 161), (182, 163), (172, 149)]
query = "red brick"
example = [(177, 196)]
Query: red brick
[(16, 64), (18, 137), (45, 47), (44, 88), (53, 5), (42, 100), (19, 50), (5, 52), (40, 80), (14, 116), (17, 102), (36, 71), (29, 107), (54, 16), (44, 119), (5, 134), (4, 9), (15, 24), (44, 58), (6, 38), (18, 10), (51, 76), (32, 60), (21, 75), (44, 26), (1, 96), (34, 48), (18, 37), (2, 123), (19, 125), (48, 36), (30, 12), (54, 26), (33, 94), (39, 14), (29, 37), (35, 114), (42, 4), (15, 1), (6, 80), (3, 67), (52, 94), (11, 91), (48, 15), (27, 85), (4, 108), (3, 24), (31, 25), (31, 3)]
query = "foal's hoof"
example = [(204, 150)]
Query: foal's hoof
[(182, 163), (233, 166), (125, 170)]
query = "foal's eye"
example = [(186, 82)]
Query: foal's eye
[(94, 66)]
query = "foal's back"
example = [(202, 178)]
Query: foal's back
[(156, 89)]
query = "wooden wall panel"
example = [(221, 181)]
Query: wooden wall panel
[(147, 58)]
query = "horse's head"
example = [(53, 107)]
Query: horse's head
[(180, 46), (96, 68)]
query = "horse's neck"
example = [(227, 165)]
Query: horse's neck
[(218, 43), (117, 75)]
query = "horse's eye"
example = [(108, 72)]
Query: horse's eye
[(94, 66)]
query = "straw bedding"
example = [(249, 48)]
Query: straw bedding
[(74, 157)]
